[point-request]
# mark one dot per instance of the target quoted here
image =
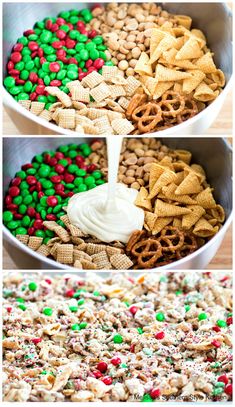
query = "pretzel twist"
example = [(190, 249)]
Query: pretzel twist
[(147, 116)]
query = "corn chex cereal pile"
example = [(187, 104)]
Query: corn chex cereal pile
[(110, 93), (72, 247)]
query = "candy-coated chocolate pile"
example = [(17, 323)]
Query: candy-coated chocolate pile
[(42, 188)]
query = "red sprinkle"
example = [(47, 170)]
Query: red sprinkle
[(97, 374), (9, 309), (36, 340), (48, 281), (216, 343), (223, 379), (107, 380), (70, 293), (155, 393), (229, 320), (132, 348), (228, 389), (216, 328), (102, 367), (160, 335), (133, 309), (209, 359), (116, 361)]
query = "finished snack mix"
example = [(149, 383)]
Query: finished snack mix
[(141, 338)]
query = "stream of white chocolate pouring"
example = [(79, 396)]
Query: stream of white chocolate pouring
[(108, 211)]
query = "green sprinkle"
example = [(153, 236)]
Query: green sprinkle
[(82, 325), (48, 311), (30, 356), (22, 307), (219, 384), (77, 294), (7, 293), (96, 293), (202, 316), (21, 300), (32, 286), (187, 308), (146, 398), (217, 391), (147, 351), (221, 323), (117, 338), (215, 365), (81, 301), (73, 308), (140, 330), (75, 327), (160, 317), (178, 292)]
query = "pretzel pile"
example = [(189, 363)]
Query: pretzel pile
[(149, 115), (171, 244)]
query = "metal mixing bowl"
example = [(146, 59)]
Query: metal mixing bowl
[(214, 154), (214, 19)]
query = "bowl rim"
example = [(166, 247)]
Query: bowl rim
[(10, 102), (59, 266), (54, 264)]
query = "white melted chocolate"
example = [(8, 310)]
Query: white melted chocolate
[(90, 213), (108, 211)]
